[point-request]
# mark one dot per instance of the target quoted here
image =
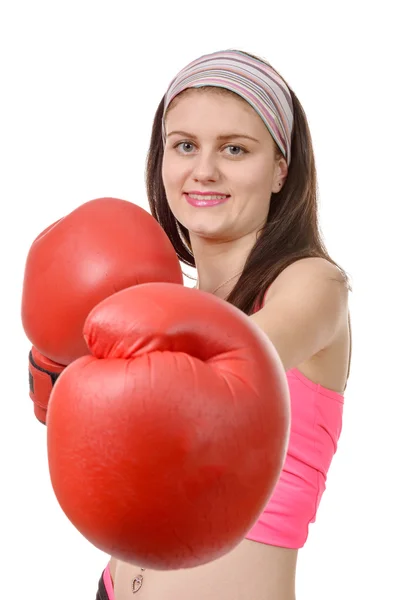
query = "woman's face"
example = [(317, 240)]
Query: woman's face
[(208, 149)]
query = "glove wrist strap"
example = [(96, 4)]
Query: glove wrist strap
[(43, 374)]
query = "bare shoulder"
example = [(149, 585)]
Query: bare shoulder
[(318, 286), (312, 269), (313, 284), (305, 315)]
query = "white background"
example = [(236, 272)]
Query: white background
[(80, 83)]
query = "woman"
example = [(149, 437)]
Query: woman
[(231, 178)]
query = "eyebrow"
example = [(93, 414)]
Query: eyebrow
[(226, 136)]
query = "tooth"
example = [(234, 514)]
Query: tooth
[(208, 197)]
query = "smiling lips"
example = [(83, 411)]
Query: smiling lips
[(201, 199)]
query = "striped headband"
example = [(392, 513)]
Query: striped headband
[(252, 79)]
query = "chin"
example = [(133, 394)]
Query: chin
[(205, 225), (216, 234)]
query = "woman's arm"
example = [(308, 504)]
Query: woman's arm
[(304, 310)]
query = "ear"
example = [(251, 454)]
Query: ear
[(280, 174)]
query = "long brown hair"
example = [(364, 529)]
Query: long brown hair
[(291, 231)]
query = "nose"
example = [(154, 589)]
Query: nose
[(205, 167)]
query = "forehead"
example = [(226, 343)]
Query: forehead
[(211, 108)]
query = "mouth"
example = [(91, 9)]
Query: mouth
[(200, 200)]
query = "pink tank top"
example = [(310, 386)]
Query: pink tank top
[(316, 424)]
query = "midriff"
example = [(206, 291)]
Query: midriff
[(252, 571)]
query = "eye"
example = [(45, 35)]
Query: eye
[(241, 150), (183, 145), (184, 148)]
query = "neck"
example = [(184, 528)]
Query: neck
[(219, 264)]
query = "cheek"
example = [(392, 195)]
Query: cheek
[(259, 175), (256, 189), (172, 183), (165, 173), (166, 169), (171, 170)]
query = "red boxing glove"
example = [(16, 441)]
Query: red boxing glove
[(165, 445), (103, 246)]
